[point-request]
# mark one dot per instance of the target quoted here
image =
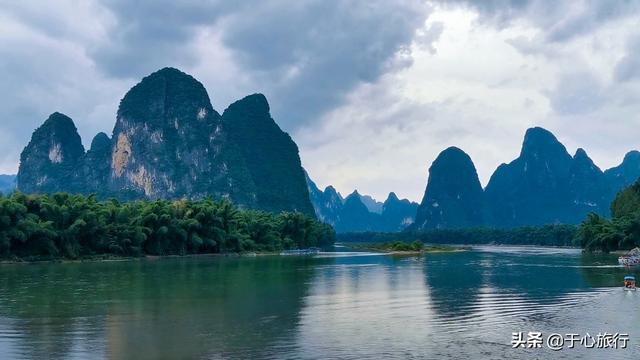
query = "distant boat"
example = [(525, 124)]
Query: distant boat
[(632, 258), (301, 252), (630, 283)]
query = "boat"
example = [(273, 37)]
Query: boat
[(630, 283), (301, 252), (632, 258)]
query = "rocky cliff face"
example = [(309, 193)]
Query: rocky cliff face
[(53, 159), (169, 142), (453, 197), (270, 155)]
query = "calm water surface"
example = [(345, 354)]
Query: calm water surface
[(342, 306)]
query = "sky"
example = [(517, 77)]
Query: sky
[(370, 90)]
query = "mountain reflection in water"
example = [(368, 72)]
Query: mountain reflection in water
[(344, 305)]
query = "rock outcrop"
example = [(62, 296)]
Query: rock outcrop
[(168, 142), (544, 185), (53, 159), (453, 197), (534, 189), (270, 155)]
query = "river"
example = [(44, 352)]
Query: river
[(345, 305)]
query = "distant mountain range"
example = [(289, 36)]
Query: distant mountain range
[(357, 213), (169, 142), (544, 185)]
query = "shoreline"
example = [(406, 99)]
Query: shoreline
[(422, 252), (117, 258), (387, 249)]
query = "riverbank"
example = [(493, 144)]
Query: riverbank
[(546, 235), (114, 258)]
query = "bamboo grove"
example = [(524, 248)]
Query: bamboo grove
[(75, 226), (622, 231)]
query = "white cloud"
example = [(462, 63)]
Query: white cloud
[(479, 89)]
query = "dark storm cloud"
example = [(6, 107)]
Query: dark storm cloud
[(80, 57), (304, 55), (308, 57), (313, 54), (150, 34)]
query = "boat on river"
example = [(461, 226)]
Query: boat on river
[(301, 252), (630, 283), (632, 258)]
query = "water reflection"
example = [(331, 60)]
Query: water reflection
[(178, 308), (365, 305), (600, 270), (348, 306), (454, 281)]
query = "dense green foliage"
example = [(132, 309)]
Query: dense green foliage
[(621, 232), (73, 226), (269, 153), (548, 235), (398, 246)]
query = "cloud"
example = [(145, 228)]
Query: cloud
[(371, 91), (577, 93), (80, 58), (315, 52), (559, 21), (628, 68), (44, 72), (306, 55), (150, 34), (484, 84)]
